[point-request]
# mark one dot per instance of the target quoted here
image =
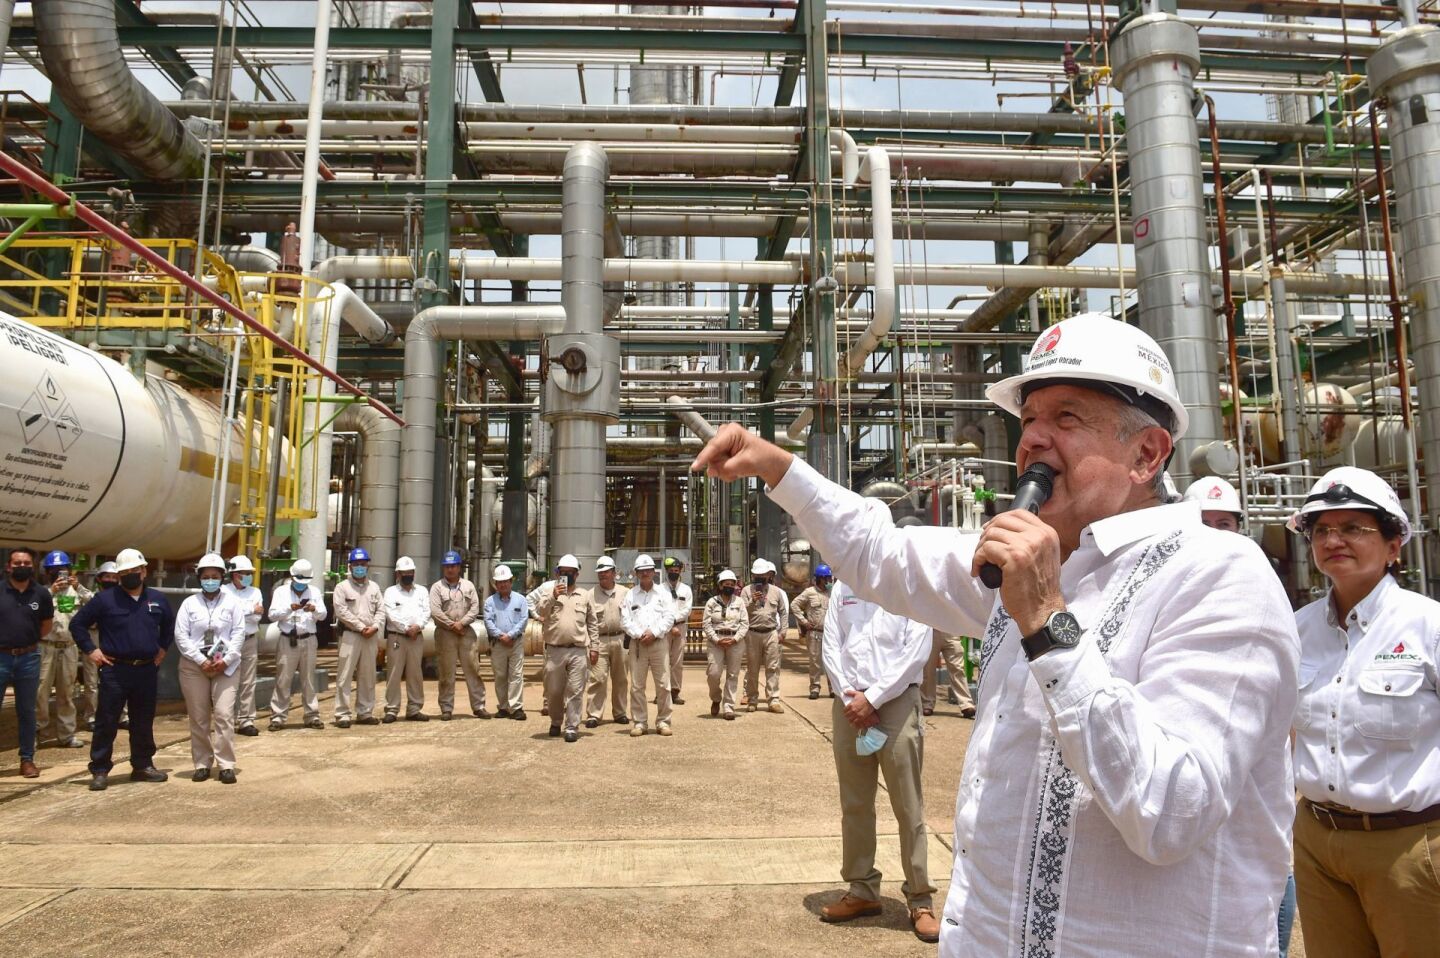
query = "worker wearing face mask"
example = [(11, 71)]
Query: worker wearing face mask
[(726, 622), (106, 577), (454, 606), (684, 602), (407, 610), (647, 617), (809, 608), (360, 610), (769, 610), (59, 658), (607, 667), (296, 607), (572, 634), (210, 634), (506, 613), (241, 587)]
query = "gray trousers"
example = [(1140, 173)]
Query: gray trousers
[(288, 661), (565, 669), (357, 661), (647, 660), (245, 696), (723, 671), (452, 646), (509, 665), (609, 671), (404, 658), (762, 648), (210, 703)]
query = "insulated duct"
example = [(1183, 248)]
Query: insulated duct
[(379, 484), (1155, 59), (80, 45)]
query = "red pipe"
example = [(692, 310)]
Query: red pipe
[(43, 186)]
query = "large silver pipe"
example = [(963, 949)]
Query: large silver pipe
[(379, 484), (1155, 59), (80, 46)]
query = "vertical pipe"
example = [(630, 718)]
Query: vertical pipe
[(664, 509), (310, 170), (219, 498)]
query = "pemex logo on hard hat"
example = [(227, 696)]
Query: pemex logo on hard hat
[(1214, 493), (1048, 342)]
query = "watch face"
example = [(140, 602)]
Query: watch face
[(1064, 629)]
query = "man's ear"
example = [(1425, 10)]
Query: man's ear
[(1150, 450)]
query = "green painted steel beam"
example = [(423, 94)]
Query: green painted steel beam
[(790, 72), (480, 60), (166, 58)]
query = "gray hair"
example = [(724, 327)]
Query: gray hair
[(1130, 422)]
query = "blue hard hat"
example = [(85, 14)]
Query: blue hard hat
[(358, 554), (452, 558), (56, 560), (823, 570)]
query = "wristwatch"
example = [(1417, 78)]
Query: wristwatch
[(1060, 631)]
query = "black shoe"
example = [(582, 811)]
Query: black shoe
[(622, 720), (571, 735), (554, 731), (832, 695), (389, 717), (519, 715), (123, 723), (315, 723), (99, 781), (90, 724), (814, 695), (368, 720), (676, 700), (483, 714), (342, 723), (276, 726), (927, 711), (417, 717), (248, 730), (201, 775), (227, 776), (444, 716), (729, 716), (153, 774), (503, 713), (714, 709), (592, 723)]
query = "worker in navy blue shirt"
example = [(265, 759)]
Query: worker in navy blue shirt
[(27, 614), (136, 627)]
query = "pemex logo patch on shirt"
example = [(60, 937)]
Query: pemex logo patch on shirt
[(1397, 655)]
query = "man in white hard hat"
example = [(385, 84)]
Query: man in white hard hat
[(725, 622), (360, 612), (647, 617), (769, 614), (506, 613), (407, 612), (1137, 681), (296, 608), (572, 636), (1218, 501), (242, 588), (607, 666)]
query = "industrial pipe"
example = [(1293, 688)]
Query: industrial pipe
[(695, 422), (379, 485)]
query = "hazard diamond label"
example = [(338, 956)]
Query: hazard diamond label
[(48, 418)]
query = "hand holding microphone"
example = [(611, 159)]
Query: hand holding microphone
[(1031, 492)]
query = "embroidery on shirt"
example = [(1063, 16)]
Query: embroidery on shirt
[(994, 633)]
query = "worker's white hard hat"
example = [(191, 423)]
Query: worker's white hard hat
[(129, 559), (210, 560), (301, 570), (107, 568), (1214, 495), (642, 562), (241, 564), (759, 567), (726, 576), (404, 564), (604, 564), (568, 561), (502, 573), (1349, 487), (1101, 353)]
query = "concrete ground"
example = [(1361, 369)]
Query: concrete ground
[(462, 838)]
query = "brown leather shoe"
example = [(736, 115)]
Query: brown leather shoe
[(849, 908), (29, 770), (925, 925)]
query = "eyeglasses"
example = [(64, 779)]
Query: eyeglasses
[(1349, 532)]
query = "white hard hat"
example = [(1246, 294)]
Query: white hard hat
[(210, 560), (726, 576), (1349, 487), (241, 564), (502, 573), (1113, 356), (568, 561), (643, 561), (404, 564), (1214, 495), (604, 564), (301, 570), (759, 567), (129, 559), (107, 568)]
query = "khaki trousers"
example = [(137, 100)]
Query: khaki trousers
[(357, 661), (677, 661), (901, 762), (210, 702), (452, 646), (249, 665), (646, 660), (288, 661), (509, 666), (87, 696), (952, 649), (404, 659), (813, 641), (1367, 894), (565, 669), (762, 648), (58, 665), (724, 663), (609, 670)]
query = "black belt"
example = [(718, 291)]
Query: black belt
[(299, 635), (134, 661), (1343, 819), (770, 629), (22, 650)]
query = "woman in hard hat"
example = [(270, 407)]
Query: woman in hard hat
[(210, 634), (1219, 503), (1367, 731)]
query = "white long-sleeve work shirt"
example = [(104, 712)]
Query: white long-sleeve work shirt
[(296, 621), (650, 611), (870, 650), (1135, 789), (406, 607), (223, 617), (251, 601)]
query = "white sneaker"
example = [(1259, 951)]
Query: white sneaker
[(664, 730), (637, 731)]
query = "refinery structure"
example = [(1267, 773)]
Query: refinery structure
[(279, 279)]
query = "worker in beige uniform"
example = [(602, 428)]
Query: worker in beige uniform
[(647, 616), (88, 692), (726, 622), (684, 602), (608, 668), (572, 642), (241, 588), (768, 608), (809, 608), (407, 609), (59, 656), (360, 610), (950, 648), (455, 607)]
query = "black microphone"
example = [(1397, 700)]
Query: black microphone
[(1032, 492)]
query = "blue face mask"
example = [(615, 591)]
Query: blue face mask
[(246, 581), (211, 586), (359, 572), (298, 586), (870, 741)]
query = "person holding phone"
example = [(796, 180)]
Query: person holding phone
[(210, 634)]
